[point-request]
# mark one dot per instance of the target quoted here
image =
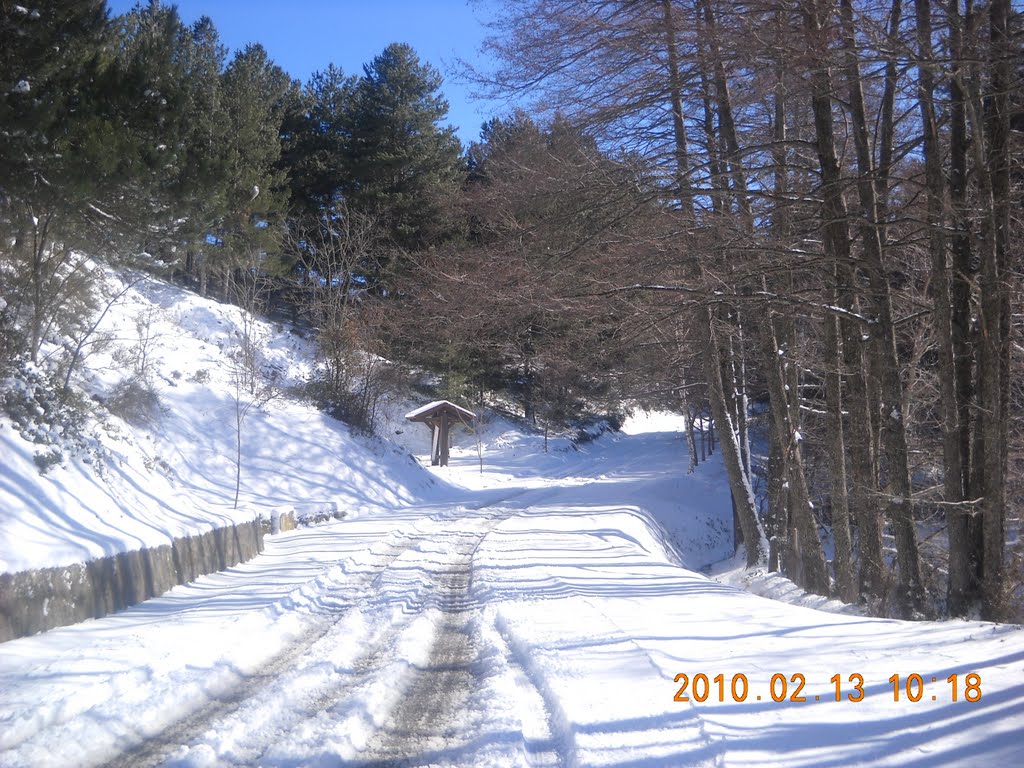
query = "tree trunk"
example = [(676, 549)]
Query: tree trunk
[(777, 521), (887, 123), (813, 575), (836, 441), (691, 441), (956, 519), (836, 239), (995, 276), (739, 483), (963, 260), (910, 596), (965, 530)]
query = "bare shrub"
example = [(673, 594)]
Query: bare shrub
[(135, 401), (352, 378)]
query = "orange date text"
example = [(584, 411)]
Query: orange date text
[(701, 688)]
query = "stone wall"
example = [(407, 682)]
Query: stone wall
[(37, 600)]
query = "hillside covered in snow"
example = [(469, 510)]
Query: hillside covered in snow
[(156, 453)]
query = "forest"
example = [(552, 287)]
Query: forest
[(796, 221)]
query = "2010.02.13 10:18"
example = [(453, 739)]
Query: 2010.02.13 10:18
[(700, 688)]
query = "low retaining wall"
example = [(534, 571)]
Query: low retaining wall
[(37, 600), (278, 521), (291, 516)]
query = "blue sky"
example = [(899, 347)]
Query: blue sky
[(303, 36)]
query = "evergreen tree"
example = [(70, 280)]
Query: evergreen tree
[(165, 81), (403, 163), (207, 176), (317, 134), (49, 63), (199, 189), (255, 93), (61, 147)]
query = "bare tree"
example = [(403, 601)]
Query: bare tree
[(827, 204), (253, 382)]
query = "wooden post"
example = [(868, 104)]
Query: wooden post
[(445, 442), (435, 444)]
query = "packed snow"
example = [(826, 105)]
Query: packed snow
[(520, 607)]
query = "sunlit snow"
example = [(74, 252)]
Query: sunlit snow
[(540, 612)]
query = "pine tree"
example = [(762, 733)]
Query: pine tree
[(403, 163), (255, 92), (198, 187), (317, 134), (49, 62), (58, 148), (165, 82)]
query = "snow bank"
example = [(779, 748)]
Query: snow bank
[(172, 474)]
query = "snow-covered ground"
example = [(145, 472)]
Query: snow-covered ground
[(172, 471), (542, 612)]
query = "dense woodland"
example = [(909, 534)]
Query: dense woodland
[(796, 220)]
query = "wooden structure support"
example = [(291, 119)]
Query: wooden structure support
[(440, 416)]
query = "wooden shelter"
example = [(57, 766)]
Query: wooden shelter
[(439, 416)]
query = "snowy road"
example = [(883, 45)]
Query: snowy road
[(540, 619), (412, 592)]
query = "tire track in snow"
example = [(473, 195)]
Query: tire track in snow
[(411, 591), (329, 614), (547, 741), (429, 721)]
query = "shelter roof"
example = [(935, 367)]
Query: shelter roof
[(436, 408)]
